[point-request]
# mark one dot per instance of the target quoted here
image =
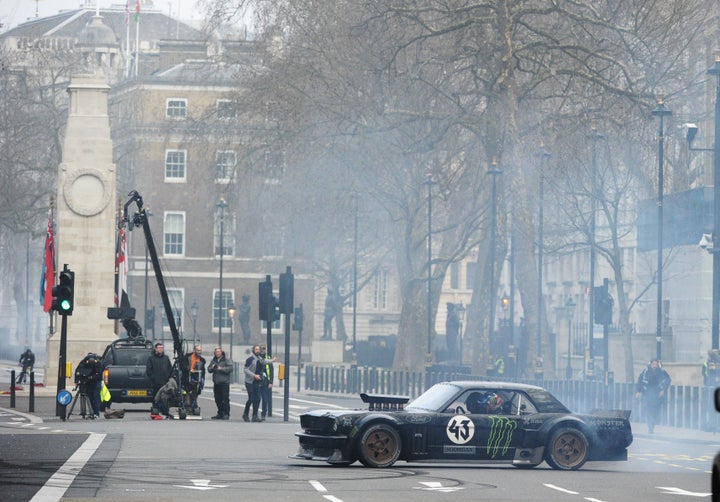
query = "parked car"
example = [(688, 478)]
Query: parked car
[(125, 375), (467, 421)]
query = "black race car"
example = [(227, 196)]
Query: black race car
[(465, 421)]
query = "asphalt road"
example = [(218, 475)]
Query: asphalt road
[(45, 459)]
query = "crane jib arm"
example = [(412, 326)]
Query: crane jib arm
[(140, 219)]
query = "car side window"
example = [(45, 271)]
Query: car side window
[(524, 405)]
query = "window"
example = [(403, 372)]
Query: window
[(380, 290), (272, 242), (220, 308), (226, 109), (177, 300), (226, 221), (225, 166), (174, 233), (455, 275), (176, 108), (470, 272), (175, 165)]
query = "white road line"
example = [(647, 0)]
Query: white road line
[(332, 498), (553, 487), (55, 487), (317, 485), (590, 499)]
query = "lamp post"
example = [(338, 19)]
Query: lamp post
[(221, 304), (715, 249), (544, 155), (590, 370), (570, 310), (494, 172), (661, 112), (193, 314), (429, 182), (231, 312), (355, 284)]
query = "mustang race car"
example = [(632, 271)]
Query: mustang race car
[(466, 421)]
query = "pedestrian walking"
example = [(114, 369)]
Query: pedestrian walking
[(651, 386), (266, 384), (159, 370)]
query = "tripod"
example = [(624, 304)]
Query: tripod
[(86, 411)]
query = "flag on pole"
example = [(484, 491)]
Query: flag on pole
[(47, 281), (127, 12), (121, 270), (137, 11)]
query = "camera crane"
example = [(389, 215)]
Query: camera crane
[(140, 219)]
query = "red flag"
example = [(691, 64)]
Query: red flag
[(48, 276), (121, 270), (127, 11)]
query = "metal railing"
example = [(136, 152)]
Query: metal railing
[(685, 406)]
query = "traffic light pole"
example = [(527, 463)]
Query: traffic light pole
[(60, 408)]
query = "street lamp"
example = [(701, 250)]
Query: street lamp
[(505, 302), (193, 314), (355, 285), (429, 182), (590, 371), (221, 317), (231, 313), (715, 70), (570, 310), (544, 155), (494, 172), (661, 112)]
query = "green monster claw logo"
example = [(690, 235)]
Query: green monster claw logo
[(501, 434)]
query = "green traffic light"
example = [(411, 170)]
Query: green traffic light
[(65, 305)]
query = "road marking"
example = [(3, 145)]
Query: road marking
[(672, 490), (553, 487), (317, 485), (435, 486), (201, 484), (590, 499), (55, 487)]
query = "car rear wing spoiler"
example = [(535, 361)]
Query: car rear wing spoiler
[(382, 402), (624, 414)]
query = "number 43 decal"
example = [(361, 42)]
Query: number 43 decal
[(460, 429)]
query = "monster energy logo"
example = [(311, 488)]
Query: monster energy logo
[(501, 433)]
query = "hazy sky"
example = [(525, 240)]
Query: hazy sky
[(14, 12)]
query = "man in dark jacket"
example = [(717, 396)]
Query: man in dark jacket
[(158, 368), (89, 379), (221, 368), (651, 385)]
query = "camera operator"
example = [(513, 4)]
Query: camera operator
[(88, 378)]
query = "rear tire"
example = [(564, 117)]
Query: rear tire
[(379, 446), (567, 449)]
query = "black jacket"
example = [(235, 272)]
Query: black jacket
[(159, 369)]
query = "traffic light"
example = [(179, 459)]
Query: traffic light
[(264, 297), (298, 319), (275, 308), (602, 305), (63, 294), (287, 286)]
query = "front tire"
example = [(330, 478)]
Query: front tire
[(567, 449), (380, 446)]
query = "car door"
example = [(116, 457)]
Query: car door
[(458, 434)]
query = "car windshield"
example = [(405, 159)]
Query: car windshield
[(435, 398)]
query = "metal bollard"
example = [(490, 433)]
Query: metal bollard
[(12, 389), (31, 406)]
